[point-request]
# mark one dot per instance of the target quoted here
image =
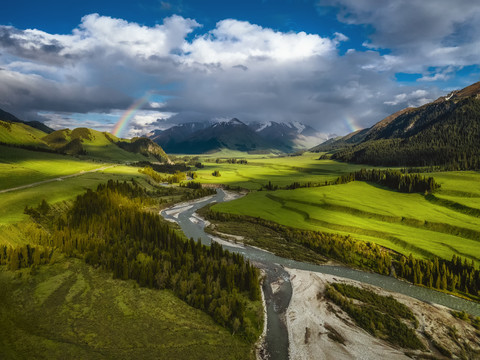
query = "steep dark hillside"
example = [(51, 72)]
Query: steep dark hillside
[(444, 133)]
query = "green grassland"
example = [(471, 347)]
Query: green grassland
[(20, 167), (21, 134), (460, 187), (14, 202), (281, 171), (407, 223), (68, 310)]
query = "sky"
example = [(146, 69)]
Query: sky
[(336, 65)]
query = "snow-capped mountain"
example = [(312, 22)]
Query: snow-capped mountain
[(199, 137)]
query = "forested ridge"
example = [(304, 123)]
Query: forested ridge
[(456, 275), (442, 133), (108, 228)]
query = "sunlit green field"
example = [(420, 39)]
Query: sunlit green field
[(21, 134), (281, 171), (407, 223), (70, 310), (20, 167), (460, 187), (14, 202)]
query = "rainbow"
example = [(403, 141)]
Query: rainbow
[(351, 124), (128, 114)]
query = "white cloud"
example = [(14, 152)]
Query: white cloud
[(420, 34), (235, 42), (237, 69), (413, 99)]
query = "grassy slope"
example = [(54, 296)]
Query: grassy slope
[(372, 213), (14, 202), (280, 171), (461, 187), (21, 134), (20, 167), (71, 310), (101, 148), (95, 143)]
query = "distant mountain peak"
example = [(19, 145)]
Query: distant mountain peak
[(235, 121)]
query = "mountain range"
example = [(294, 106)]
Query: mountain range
[(204, 137), (445, 132)]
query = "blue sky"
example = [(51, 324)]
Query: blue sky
[(337, 65)]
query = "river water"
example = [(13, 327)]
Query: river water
[(276, 340)]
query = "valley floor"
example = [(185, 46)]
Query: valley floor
[(313, 322)]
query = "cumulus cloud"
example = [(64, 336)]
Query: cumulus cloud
[(421, 34), (413, 99), (237, 69)]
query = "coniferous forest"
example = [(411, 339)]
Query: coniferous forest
[(109, 229), (438, 134)]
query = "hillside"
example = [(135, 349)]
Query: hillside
[(6, 116), (13, 133), (445, 133), (102, 145)]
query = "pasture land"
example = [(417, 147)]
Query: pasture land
[(21, 167), (407, 223), (14, 202), (281, 171)]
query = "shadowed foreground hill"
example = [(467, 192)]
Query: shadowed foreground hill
[(71, 310)]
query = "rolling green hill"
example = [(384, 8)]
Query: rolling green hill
[(21, 134), (102, 145)]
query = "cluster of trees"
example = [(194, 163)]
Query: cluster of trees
[(192, 174), (269, 187), (229, 161), (292, 186), (216, 173), (456, 275), (236, 161), (108, 229), (164, 167), (175, 178), (449, 138), (394, 179), (377, 316), (198, 190), (24, 256)]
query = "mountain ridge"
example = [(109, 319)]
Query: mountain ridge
[(444, 132), (209, 136)]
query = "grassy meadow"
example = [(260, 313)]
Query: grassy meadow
[(407, 223), (281, 171), (21, 167), (71, 310)]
